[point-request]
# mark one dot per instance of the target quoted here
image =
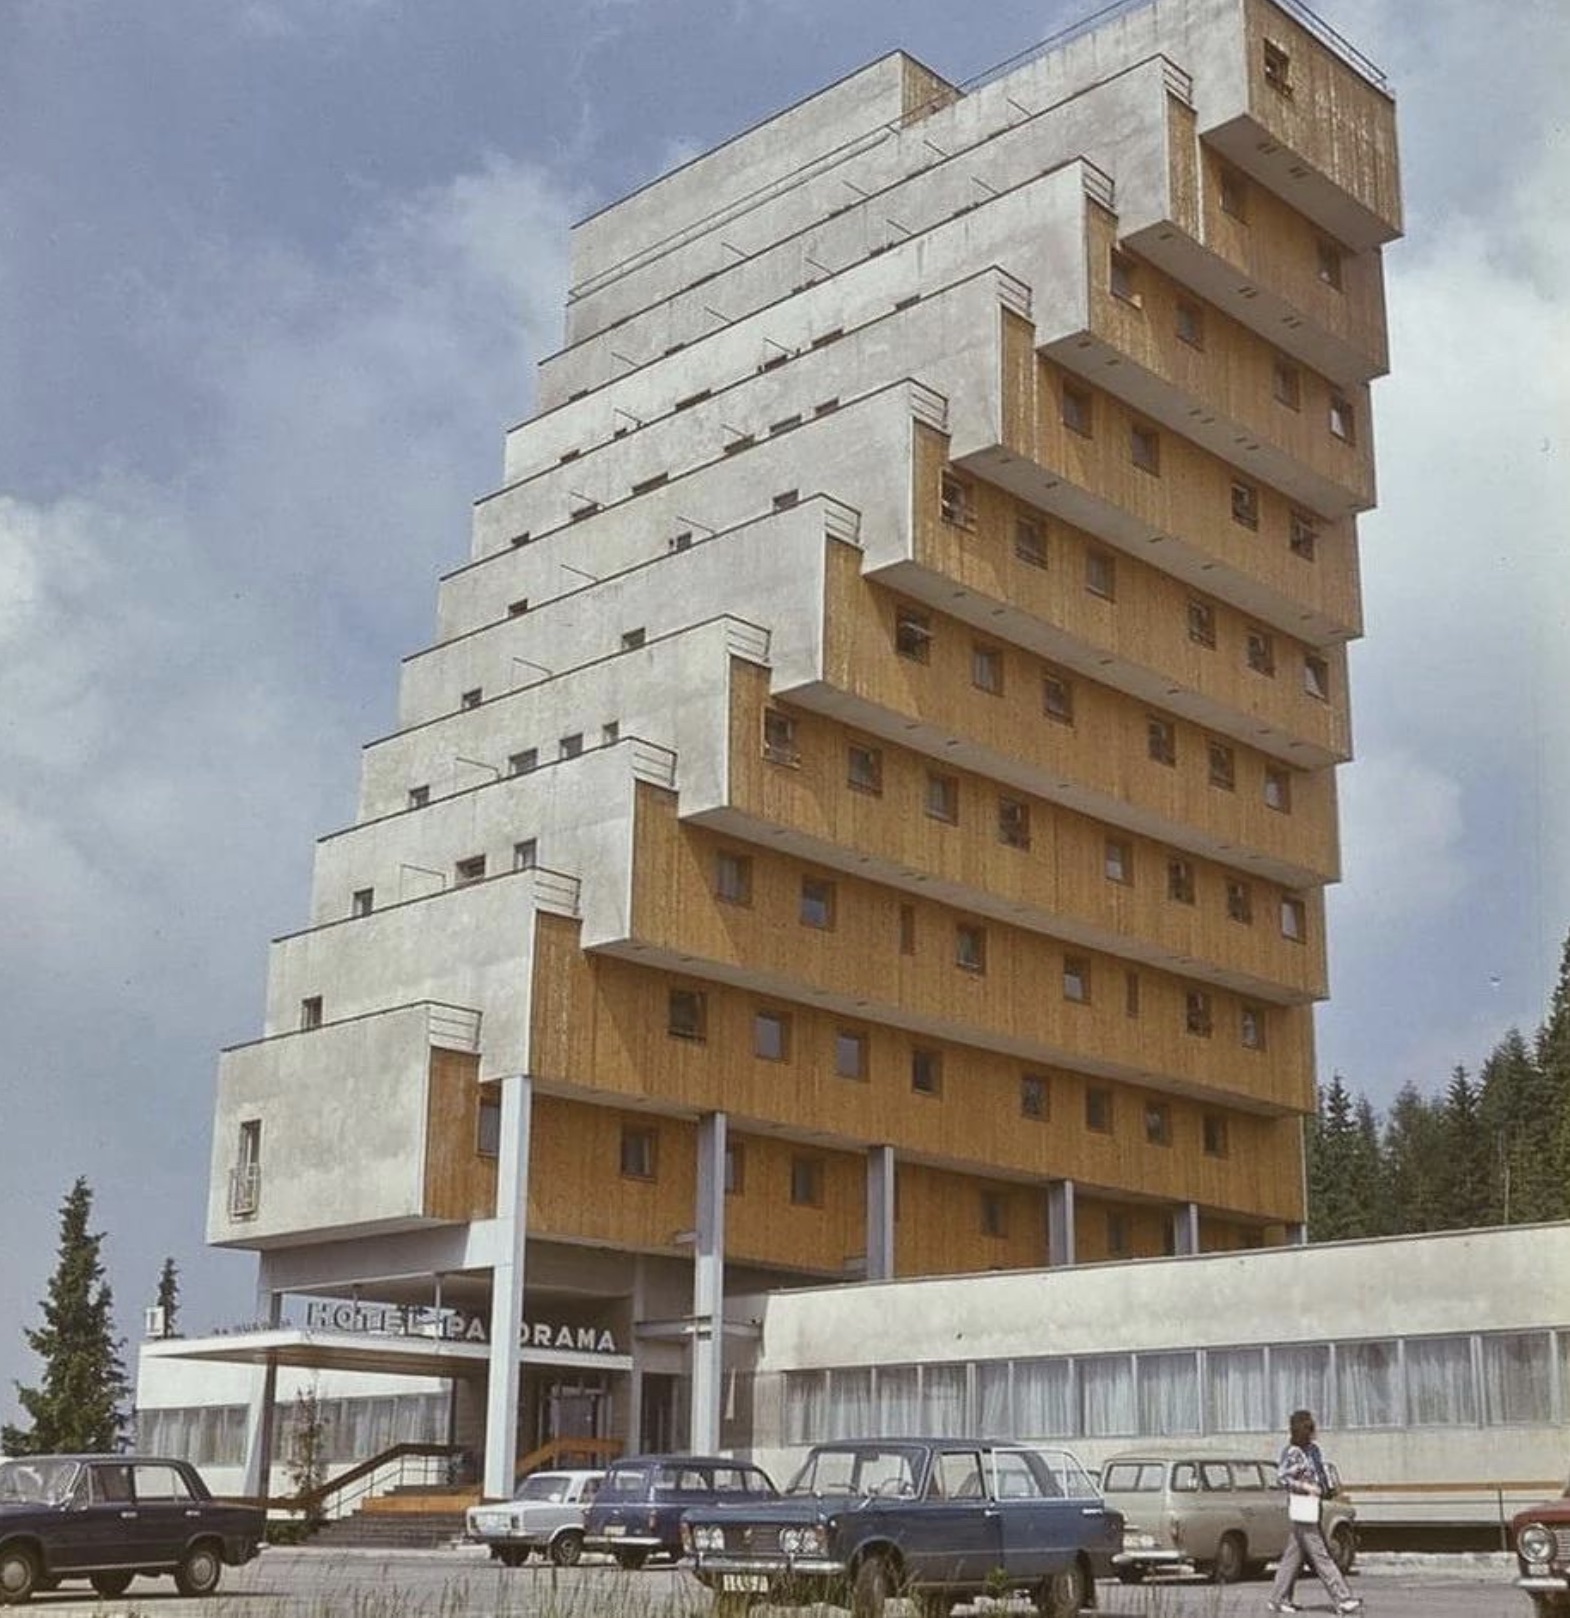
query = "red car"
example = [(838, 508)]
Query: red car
[(1542, 1546)]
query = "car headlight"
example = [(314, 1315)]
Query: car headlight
[(802, 1541), (1535, 1543), (705, 1536)]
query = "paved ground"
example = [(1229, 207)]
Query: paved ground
[(463, 1584)]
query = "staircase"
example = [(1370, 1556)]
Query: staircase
[(413, 1518)]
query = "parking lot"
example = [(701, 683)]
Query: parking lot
[(461, 1583)]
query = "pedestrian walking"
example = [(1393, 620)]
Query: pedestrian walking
[(1302, 1473)]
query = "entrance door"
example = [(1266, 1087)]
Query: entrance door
[(563, 1406), (664, 1425)]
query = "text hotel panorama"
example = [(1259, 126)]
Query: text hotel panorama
[(392, 1320)]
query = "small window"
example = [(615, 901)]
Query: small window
[(1287, 384), (1327, 263), (1260, 651), (1201, 623), (637, 1153), (1278, 788), (735, 1168), (679, 542), (1013, 822), (942, 797), (1316, 676), (907, 929), (1161, 740), (1189, 321), (687, 1014), (1180, 880), (771, 1036), (632, 639), (970, 948), (1057, 697), (994, 1213), (1213, 1131), (1343, 422), (1123, 278), (816, 908), (419, 797), (1131, 994), (1240, 901), (1117, 861), (733, 878), (519, 539), (1117, 1235), (570, 746), (850, 1054), (1078, 411), (1278, 67), (1196, 1013), (1144, 447), (1294, 919), (864, 768), (311, 1012), (926, 1072), (488, 1126), (986, 669), (1101, 574), (610, 733), (1034, 1096), (913, 635), (472, 698), (516, 609), (1245, 504), (1251, 1028), (1222, 764), (469, 870), (1030, 541), (806, 1182), (957, 505), (521, 763), (1234, 195), (779, 738), (363, 902), (1076, 979), (1098, 1109), (525, 854), (1303, 536), (786, 498), (1158, 1123)]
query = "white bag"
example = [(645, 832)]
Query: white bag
[(1303, 1508)]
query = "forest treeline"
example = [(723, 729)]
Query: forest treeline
[(1493, 1149)]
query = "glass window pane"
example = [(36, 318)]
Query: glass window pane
[(1300, 1379), (850, 1403), (1368, 1392), (1106, 1395), (1517, 1378), (1041, 1399), (804, 1406), (899, 1406), (1235, 1391), (1169, 1393), (1440, 1390), (992, 1395), (943, 1401)]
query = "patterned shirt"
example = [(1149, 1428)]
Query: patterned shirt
[(1301, 1469)]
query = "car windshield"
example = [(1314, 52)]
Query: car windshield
[(543, 1486), (41, 1481), (860, 1471)]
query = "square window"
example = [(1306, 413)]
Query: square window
[(986, 669), (958, 508), (1278, 788), (472, 698), (806, 1182), (771, 1036), (994, 1214), (1098, 1109), (1030, 541), (1144, 447), (1234, 195), (1122, 278), (1213, 1130), (488, 1126), (469, 870), (1245, 504), (1278, 67), (1316, 676), (1101, 574), (522, 763), (907, 929), (419, 797), (1223, 765), (687, 1014), (1158, 1123), (850, 1054), (1013, 822), (1180, 881), (1034, 1096), (516, 609), (1287, 384), (363, 902), (735, 1168), (913, 635), (1057, 697), (779, 738), (1294, 919), (1343, 422), (632, 639), (1251, 1028), (1078, 410), (1303, 536), (1076, 979), (926, 1072), (1117, 861), (1260, 651), (970, 948), (570, 746), (637, 1153), (610, 733), (1201, 623), (1161, 740), (1327, 264), (1131, 994), (817, 903), (942, 799), (1240, 901), (1189, 320), (525, 854), (733, 878), (1196, 1013), (680, 542), (311, 1012), (864, 768)]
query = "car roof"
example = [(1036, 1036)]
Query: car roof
[(100, 1455), (683, 1460), (1156, 1457)]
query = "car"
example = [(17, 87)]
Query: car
[(1541, 1536), (545, 1514), (108, 1518), (637, 1510), (1223, 1515), (934, 1520)]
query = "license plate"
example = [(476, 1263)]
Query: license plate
[(751, 1583), (612, 1529)]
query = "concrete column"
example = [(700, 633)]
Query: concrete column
[(880, 1213), (1060, 1222), (1185, 1229), (507, 1282), (708, 1286), (264, 1394), (634, 1424)]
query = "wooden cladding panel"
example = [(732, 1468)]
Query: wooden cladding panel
[(460, 1183), (1105, 750), (1183, 166), (1018, 386), (1062, 873), (939, 1224), (1233, 375), (604, 1028), (762, 1223)]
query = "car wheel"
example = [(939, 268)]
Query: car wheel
[(200, 1570), (112, 1584), (511, 1555), (1231, 1559), (1343, 1547), (631, 1560), (1065, 1592), (873, 1586), (18, 1573), (567, 1548)]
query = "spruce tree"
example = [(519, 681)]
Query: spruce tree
[(1414, 1164), (169, 1298), (1553, 1063), (1466, 1174), (1336, 1208), (78, 1405), (1518, 1119)]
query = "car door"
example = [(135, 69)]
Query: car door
[(99, 1526), (1216, 1506), (168, 1514), (950, 1535), (1041, 1521), (1257, 1509)]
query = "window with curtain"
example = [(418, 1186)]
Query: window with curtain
[(994, 1412), (943, 1401), (1518, 1377), (1235, 1391), (1042, 1404), (1169, 1393), (899, 1401), (849, 1412), (1106, 1395), (1300, 1379), (804, 1401), (1368, 1384), (1440, 1388)]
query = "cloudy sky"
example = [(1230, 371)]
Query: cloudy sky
[(273, 277)]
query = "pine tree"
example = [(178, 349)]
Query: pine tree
[(1466, 1157), (1413, 1163), (1368, 1173), (78, 1407), (1515, 1115), (1338, 1188), (1552, 1054), (169, 1298)]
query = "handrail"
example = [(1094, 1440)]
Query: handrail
[(561, 1449), (313, 1502)]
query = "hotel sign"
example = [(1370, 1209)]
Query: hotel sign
[(450, 1325)]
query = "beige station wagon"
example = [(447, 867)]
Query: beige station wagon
[(1218, 1514)]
